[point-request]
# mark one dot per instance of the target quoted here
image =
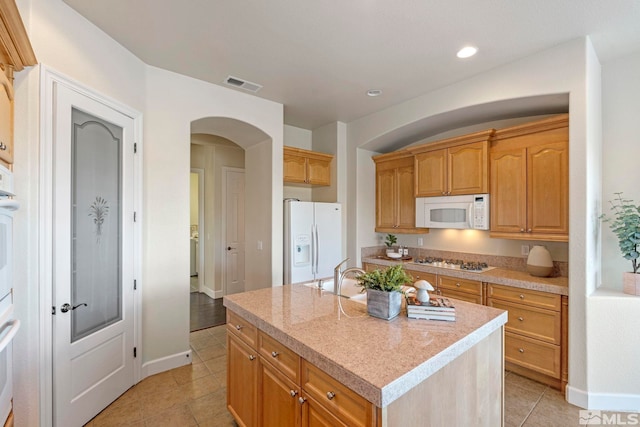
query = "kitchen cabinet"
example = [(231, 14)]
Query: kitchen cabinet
[(268, 384), (15, 54), (306, 167), (536, 337), (395, 200), (453, 166), (530, 181), (462, 289)]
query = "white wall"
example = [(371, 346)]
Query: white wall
[(613, 321), (212, 153), (560, 70)]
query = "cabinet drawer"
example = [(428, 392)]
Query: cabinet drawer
[(421, 275), (534, 322), (279, 356), (532, 354), (524, 296), (445, 292), (242, 329), (344, 403), (460, 285)]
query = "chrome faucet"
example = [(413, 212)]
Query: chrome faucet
[(337, 275)]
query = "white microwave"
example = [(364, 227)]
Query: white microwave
[(463, 212)]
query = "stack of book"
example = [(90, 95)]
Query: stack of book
[(437, 308)]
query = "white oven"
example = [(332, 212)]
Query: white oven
[(8, 324)]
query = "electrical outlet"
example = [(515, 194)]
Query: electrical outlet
[(420, 241), (524, 250)]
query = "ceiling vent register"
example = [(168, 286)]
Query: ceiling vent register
[(242, 84)]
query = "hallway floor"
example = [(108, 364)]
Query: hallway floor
[(205, 312), (195, 395)]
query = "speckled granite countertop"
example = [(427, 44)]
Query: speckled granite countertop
[(381, 360), (499, 276)]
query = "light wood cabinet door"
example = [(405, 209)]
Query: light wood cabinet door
[(386, 201), (406, 200), (315, 415), (295, 168), (509, 191), (242, 381), (431, 173), (6, 120), (421, 275), (318, 172), (278, 398), (548, 188), (467, 169)]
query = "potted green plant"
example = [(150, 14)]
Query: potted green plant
[(390, 240), (625, 224), (384, 290)]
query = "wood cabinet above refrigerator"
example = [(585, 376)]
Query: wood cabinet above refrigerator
[(306, 167), (15, 54)]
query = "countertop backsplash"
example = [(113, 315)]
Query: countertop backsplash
[(561, 268)]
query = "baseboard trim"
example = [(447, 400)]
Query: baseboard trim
[(603, 401), (209, 292), (166, 363), (218, 294)]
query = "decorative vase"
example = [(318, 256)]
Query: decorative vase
[(383, 305), (539, 262), (631, 283)]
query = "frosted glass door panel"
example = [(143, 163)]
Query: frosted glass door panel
[(95, 224)]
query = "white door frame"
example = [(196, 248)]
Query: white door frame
[(201, 227), (48, 79), (223, 240)]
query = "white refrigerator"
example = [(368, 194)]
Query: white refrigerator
[(312, 240)]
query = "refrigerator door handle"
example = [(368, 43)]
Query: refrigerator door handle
[(317, 249), (313, 249)]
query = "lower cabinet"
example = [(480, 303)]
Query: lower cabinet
[(272, 386), (462, 289)]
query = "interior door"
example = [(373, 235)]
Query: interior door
[(93, 319), (234, 231)]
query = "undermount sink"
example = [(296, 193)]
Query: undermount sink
[(349, 289)]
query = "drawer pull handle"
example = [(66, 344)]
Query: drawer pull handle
[(274, 354), (3, 147), (293, 393), (330, 395), (238, 327), (301, 400), (458, 284), (252, 357), (521, 296), (521, 350), (521, 318)]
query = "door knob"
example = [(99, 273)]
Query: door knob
[(229, 248), (66, 307)]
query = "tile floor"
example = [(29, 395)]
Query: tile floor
[(195, 395)]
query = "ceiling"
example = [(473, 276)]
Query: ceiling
[(318, 58)]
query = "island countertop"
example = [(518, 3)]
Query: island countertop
[(380, 360)]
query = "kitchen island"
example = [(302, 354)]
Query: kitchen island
[(302, 356)]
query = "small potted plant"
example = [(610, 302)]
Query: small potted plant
[(384, 290), (625, 224), (390, 240)]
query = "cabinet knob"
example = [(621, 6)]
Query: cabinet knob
[(457, 284), (529, 231), (444, 193), (521, 318), (301, 400), (293, 393), (274, 354), (522, 230), (3, 146), (330, 395), (252, 357), (521, 350), (521, 296), (238, 327)]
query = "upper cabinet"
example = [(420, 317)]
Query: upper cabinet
[(15, 54), (453, 166), (395, 200), (306, 167), (530, 181)]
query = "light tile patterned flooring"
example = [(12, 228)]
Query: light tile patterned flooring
[(195, 395)]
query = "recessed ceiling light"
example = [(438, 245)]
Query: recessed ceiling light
[(374, 92), (467, 51)]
